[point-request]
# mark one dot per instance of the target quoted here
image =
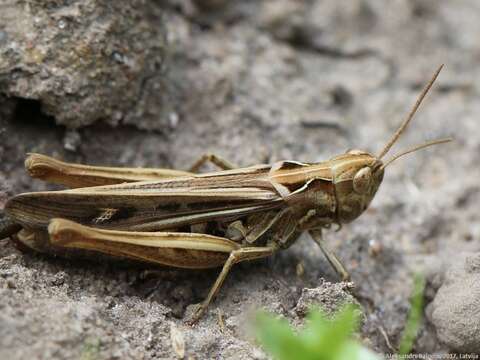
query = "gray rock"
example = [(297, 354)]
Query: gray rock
[(455, 309), (329, 297), (84, 60)]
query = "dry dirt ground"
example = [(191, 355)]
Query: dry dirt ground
[(254, 82)]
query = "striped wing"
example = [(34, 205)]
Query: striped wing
[(153, 205)]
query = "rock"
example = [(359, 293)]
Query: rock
[(84, 60), (329, 297), (455, 309)]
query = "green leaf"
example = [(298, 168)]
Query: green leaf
[(354, 351), (326, 336), (277, 337), (414, 317), (321, 339)]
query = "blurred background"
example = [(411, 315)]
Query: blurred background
[(159, 83)]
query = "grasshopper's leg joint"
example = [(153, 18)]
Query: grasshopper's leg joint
[(214, 159)]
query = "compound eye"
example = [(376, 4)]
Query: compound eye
[(362, 180)]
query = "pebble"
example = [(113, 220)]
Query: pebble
[(455, 309)]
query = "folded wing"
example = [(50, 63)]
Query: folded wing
[(153, 205)]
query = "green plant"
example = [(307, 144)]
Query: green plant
[(91, 349), (322, 338), (414, 316)]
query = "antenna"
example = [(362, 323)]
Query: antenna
[(412, 112), (415, 148)]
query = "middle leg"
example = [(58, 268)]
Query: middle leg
[(214, 159)]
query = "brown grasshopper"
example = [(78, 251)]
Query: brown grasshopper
[(196, 221)]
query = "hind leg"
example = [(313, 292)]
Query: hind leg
[(184, 250), (236, 256), (77, 175)]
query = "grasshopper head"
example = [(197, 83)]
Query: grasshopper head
[(357, 175)]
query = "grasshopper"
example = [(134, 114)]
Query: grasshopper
[(189, 220)]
